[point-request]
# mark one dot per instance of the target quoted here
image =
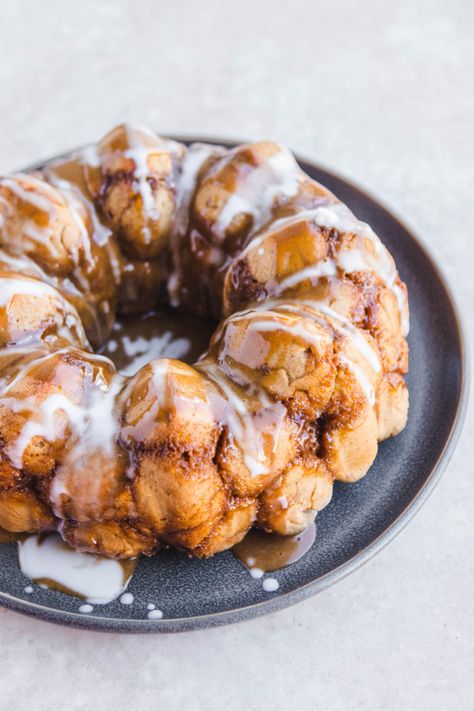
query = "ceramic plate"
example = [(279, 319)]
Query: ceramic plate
[(360, 519)]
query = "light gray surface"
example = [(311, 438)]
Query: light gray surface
[(383, 93)]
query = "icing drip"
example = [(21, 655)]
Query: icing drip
[(43, 421), (139, 151), (140, 154), (101, 234), (91, 426), (48, 558), (69, 326), (157, 391), (255, 193), (317, 310), (360, 377), (11, 287), (249, 428), (193, 161), (339, 217), (343, 326), (47, 200), (266, 320), (305, 332), (326, 268), (95, 429), (23, 187)]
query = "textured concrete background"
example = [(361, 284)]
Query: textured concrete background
[(382, 92)]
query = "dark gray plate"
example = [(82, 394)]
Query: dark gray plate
[(362, 517)]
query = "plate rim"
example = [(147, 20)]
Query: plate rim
[(181, 624)]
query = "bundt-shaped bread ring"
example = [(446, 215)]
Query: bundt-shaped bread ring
[(303, 376)]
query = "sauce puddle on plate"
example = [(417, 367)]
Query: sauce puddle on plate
[(48, 561), (267, 551), (9, 537)]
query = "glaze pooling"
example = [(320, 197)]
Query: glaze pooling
[(48, 561), (264, 552)]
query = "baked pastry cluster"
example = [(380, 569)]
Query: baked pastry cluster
[(302, 378)]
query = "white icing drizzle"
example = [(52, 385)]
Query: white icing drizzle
[(343, 325), (22, 264), (256, 192), (7, 205), (42, 421), (325, 268), (271, 324), (157, 391), (95, 428), (338, 216), (45, 198), (360, 377), (347, 328), (68, 324), (11, 287), (194, 159), (92, 427), (98, 580), (360, 261), (334, 216), (309, 309), (100, 232), (140, 153), (90, 155), (264, 319), (19, 184), (25, 370), (246, 428)]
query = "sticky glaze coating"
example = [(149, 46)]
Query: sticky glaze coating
[(302, 378)]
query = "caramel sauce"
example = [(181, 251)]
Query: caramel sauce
[(268, 551), (166, 333), (9, 537)]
